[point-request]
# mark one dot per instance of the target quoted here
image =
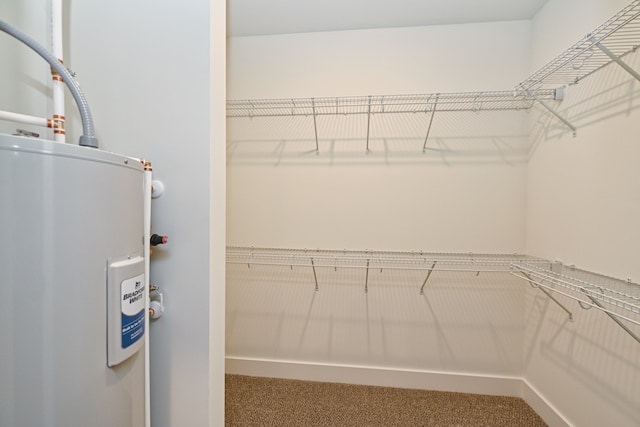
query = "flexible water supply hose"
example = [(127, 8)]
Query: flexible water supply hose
[(88, 138)]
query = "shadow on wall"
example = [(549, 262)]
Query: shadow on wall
[(454, 137), (463, 322), (609, 93)]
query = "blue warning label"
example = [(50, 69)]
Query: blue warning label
[(132, 309), (132, 328)]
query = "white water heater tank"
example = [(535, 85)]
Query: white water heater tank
[(71, 267)]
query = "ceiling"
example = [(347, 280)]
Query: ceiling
[(263, 17)]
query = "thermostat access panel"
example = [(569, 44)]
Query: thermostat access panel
[(125, 308)]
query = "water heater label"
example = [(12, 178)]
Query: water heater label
[(126, 302), (132, 309)]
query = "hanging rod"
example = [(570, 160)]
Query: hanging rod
[(386, 104), (608, 43)]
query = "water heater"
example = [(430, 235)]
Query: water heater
[(71, 279)]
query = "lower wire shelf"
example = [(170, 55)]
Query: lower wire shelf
[(618, 299)]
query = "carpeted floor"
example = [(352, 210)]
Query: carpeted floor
[(252, 401)]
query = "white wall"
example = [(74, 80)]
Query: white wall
[(152, 73), (464, 324), (558, 197), (25, 76), (465, 194), (583, 209), (450, 58), (217, 212), (150, 92), (582, 190)]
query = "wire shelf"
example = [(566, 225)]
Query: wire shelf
[(620, 35), (385, 104), (603, 293), (608, 43), (376, 259), (620, 300)]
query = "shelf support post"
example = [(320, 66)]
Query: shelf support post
[(366, 279), (315, 126), (616, 59), (368, 123), (615, 319), (313, 266), (552, 111), (433, 113), (427, 278)]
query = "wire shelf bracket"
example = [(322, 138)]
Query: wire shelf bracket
[(427, 278), (604, 298), (549, 295), (553, 111), (614, 318), (617, 59), (315, 124), (315, 276), (368, 122), (433, 113)]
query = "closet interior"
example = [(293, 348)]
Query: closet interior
[(439, 301)]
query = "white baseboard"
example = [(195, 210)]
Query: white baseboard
[(538, 403), (377, 376)]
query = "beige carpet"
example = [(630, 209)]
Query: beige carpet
[(252, 401)]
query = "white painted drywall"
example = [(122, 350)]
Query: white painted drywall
[(217, 212), (583, 191), (465, 194), (449, 58), (147, 71), (150, 86), (583, 208), (580, 206)]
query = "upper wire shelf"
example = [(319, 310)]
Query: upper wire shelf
[(381, 104), (613, 39), (376, 259), (608, 43)]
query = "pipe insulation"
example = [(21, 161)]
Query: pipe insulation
[(88, 138)]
